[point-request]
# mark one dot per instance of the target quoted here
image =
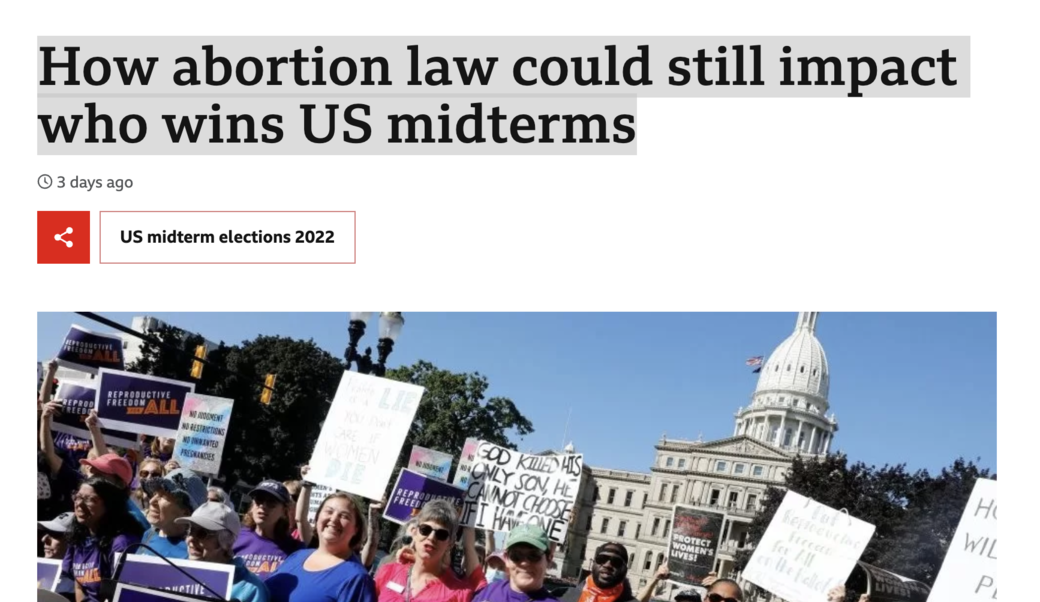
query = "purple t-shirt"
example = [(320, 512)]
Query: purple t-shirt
[(262, 556), (500, 591), (88, 564)]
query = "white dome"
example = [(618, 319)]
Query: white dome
[(798, 365)]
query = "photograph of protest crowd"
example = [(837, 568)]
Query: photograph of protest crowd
[(299, 465)]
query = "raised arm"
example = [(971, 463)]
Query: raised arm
[(368, 553), (97, 439), (49, 410), (648, 591), (303, 505), (471, 560)]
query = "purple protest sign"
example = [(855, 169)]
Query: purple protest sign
[(89, 351), (139, 403), (77, 399), (412, 490), (133, 593), (48, 573), (150, 571)]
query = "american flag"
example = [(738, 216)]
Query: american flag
[(754, 361)]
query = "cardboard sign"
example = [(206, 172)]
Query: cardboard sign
[(431, 463), (363, 434), (807, 549), (508, 488), (203, 429), (413, 490), (133, 593), (48, 573), (150, 571), (89, 351), (77, 398), (693, 544), (142, 404), (969, 572), (469, 455)]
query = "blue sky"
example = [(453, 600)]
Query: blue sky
[(914, 388)]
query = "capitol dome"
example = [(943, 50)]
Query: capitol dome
[(798, 367)]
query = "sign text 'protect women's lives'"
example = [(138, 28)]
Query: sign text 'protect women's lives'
[(507, 488)]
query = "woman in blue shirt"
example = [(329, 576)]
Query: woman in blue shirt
[(332, 573)]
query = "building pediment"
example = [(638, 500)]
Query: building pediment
[(745, 446)]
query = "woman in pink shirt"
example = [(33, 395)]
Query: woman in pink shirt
[(430, 577)]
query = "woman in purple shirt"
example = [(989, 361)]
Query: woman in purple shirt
[(102, 530), (265, 542)]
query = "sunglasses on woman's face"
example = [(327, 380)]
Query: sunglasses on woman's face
[(518, 556), (719, 598), (195, 532), (147, 474), (440, 534), (614, 561)]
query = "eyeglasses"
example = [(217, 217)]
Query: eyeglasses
[(525, 555), (718, 598), (89, 500), (614, 561), (195, 532), (440, 534)]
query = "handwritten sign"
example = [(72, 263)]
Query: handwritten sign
[(48, 573), (203, 428), (138, 403), (77, 398), (693, 544), (150, 571), (431, 463), (363, 434), (807, 549), (469, 455), (318, 495), (88, 351), (414, 490), (508, 488), (133, 593), (969, 572)]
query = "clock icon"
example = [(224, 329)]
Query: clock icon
[(45, 181)]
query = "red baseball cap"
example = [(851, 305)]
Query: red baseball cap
[(112, 464)]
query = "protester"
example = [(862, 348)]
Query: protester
[(689, 595), (304, 531), (430, 578), (332, 572), (57, 479), (661, 575), (265, 542), (102, 530), (211, 533), (724, 590), (216, 494), (495, 567), (161, 449), (149, 468), (837, 594), (171, 497), (608, 581), (55, 544), (527, 560), (116, 470)]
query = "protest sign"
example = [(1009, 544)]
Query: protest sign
[(886, 586), (363, 434), (507, 488), (138, 403), (969, 571), (203, 428), (413, 490), (78, 398), (693, 543), (807, 549), (48, 573), (431, 463), (318, 495), (133, 593), (88, 351), (469, 454), (150, 571)]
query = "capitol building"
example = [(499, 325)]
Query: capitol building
[(788, 417)]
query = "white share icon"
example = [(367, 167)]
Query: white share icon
[(68, 243)]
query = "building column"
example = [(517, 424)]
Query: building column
[(736, 427), (812, 440), (827, 444), (780, 431), (798, 436)]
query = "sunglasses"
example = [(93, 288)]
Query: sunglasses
[(198, 532), (147, 474), (719, 598), (525, 555), (614, 561), (440, 534)]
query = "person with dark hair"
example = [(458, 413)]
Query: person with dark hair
[(724, 590), (55, 544), (688, 595), (265, 542), (608, 581), (102, 530), (115, 470), (171, 497), (332, 572)]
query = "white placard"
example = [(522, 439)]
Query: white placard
[(203, 430), (363, 434), (318, 495), (469, 455), (807, 549), (969, 572)]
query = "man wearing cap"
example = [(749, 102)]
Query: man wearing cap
[(116, 470), (54, 547), (211, 533), (527, 559), (608, 582), (171, 497)]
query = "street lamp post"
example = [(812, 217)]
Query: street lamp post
[(390, 324)]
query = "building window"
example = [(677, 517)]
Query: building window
[(596, 499), (637, 530), (720, 466), (610, 495), (733, 499), (756, 471), (752, 502), (664, 492), (738, 469), (632, 559), (668, 463), (675, 493), (642, 582), (588, 524), (603, 527), (714, 500), (621, 528), (682, 462), (801, 439), (646, 564), (787, 437), (667, 527), (657, 523), (628, 498)]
